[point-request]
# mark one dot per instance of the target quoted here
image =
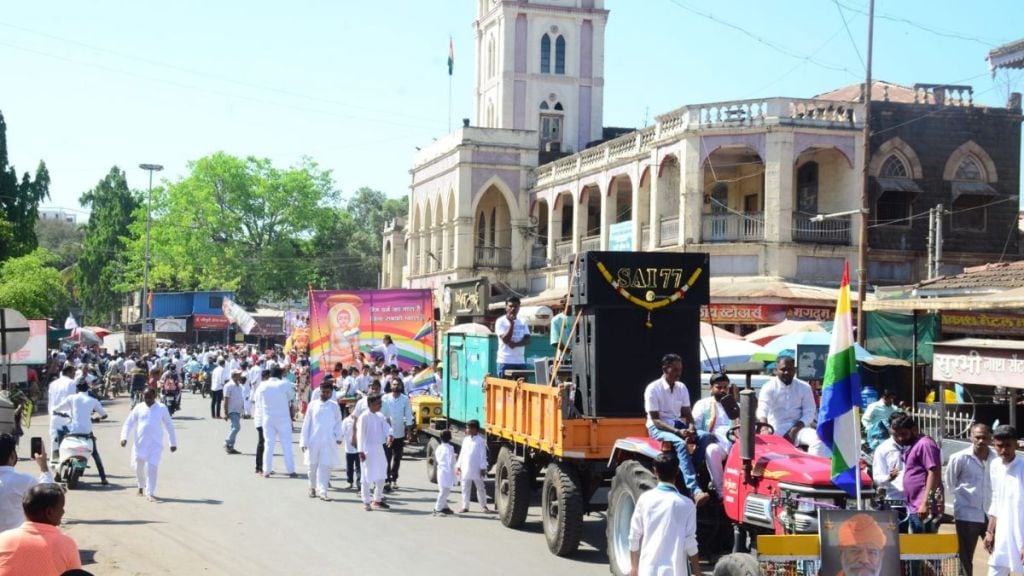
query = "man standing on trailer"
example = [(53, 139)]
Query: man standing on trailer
[(513, 336), (667, 403)]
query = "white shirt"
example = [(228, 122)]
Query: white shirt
[(59, 389), (710, 416), (348, 426), (217, 379), (888, 455), (13, 486), (391, 354), (129, 365), (968, 478), (80, 406), (361, 407), (1008, 509), (666, 402), (664, 530), (145, 425), (784, 404), (363, 384), (273, 401), (444, 456), (398, 413), (473, 457), (507, 354)]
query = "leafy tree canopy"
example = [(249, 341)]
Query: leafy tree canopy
[(32, 285), (19, 202)]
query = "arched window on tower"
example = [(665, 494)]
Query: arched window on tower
[(970, 196), (490, 57), (545, 54), (550, 126), (896, 196), (560, 55)]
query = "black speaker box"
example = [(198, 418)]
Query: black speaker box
[(615, 354), (603, 278)]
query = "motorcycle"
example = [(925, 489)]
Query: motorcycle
[(73, 458), (195, 382), (172, 399)]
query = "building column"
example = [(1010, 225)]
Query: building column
[(553, 235), (607, 215), (464, 239), (691, 205), (654, 203), (778, 187)]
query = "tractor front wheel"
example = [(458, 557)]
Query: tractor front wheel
[(631, 480), (737, 565)]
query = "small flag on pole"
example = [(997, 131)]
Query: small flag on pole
[(451, 56), (838, 428), (424, 331)]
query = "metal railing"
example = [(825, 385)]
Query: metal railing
[(539, 255), (645, 237), (743, 227), (668, 231), (563, 252), (828, 231), (955, 425), (493, 257), (590, 243)]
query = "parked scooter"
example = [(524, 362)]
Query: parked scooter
[(73, 458)]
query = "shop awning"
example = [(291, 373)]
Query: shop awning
[(899, 185), (974, 189), (1008, 299)]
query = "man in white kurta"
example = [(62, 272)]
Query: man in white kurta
[(1004, 538), (372, 433), (272, 398), (472, 466), (59, 390), (145, 427), (444, 458), (321, 435), (663, 529)]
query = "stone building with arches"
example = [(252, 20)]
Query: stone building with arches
[(515, 193)]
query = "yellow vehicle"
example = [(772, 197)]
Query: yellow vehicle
[(424, 408)]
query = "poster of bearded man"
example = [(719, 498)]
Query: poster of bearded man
[(858, 543)]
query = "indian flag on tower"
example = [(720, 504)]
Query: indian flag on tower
[(838, 428)]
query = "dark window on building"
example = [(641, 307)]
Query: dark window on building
[(893, 167), (545, 54), (893, 208), (807, 188), (560, 55), (481, 230), (567, 222), (968, 170), (969, 212), (494, 226), (216, 302)]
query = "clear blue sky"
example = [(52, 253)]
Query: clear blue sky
[(357, 85)]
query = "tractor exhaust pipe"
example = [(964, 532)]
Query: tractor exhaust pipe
[(748, 415)]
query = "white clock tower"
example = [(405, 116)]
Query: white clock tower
[(540, 66)]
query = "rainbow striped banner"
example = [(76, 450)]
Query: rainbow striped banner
[(837, 422)]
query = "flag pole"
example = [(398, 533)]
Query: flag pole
[(449, 103)]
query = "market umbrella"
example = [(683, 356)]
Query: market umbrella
[(784, 328), (715, 354), (789, 343), (85, 336), (707, 330), (101, 332)]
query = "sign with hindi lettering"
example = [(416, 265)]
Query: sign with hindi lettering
[(980, 362)]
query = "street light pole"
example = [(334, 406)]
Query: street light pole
[(862, 240), (149, 219)]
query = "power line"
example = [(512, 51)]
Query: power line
[(931, 30), (849, 34)]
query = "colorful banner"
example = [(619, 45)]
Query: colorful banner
[(239, 316), (345, 324)]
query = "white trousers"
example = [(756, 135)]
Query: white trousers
[(378, 490), (715, 455), (998, 571), (274, 431), (247, 407), (481, 494), (319, 477), (442, 497), (145, 473)]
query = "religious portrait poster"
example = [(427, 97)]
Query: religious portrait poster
[(346, 326), (858, 543)]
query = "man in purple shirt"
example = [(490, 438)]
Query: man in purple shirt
[(922, 474)]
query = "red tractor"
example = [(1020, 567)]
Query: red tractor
[(771, 487)]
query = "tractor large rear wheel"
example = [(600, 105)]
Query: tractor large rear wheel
[(511, 489), (562, 509), (431, 463), (737, 565), (631, 480)]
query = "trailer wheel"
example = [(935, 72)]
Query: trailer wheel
[(562, 509), (737, 565), (511, 489), (431, 463), (631, 480)]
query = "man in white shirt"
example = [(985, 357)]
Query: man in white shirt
[(79, 408), (14, 485), (362, 404), (398, 412), (968, 479), (1004, 539), (58, 390), (561, 329), (513, 336), (319, 440), (372, 434), (887, 469), (667, 403), (145, 427), (219, 377), (362, 383), (711, 417), (787, 404), (471, 467), (277, 420), (663, 530)]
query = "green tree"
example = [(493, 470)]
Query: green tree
[(61, 237), (19, 201), (235, 224), (104, 254), (33, 286)]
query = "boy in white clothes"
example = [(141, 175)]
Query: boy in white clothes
[(348, 428), (444, 457), (472, 466)]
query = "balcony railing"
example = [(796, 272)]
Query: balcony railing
[(743, 227), (493, 257), (590, 244), (668, 231), (563, 252), (645, 236), (539, 255), (828, 231)]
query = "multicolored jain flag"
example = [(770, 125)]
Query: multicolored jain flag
[(837, 423), (451, 56)]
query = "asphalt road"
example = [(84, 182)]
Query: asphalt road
[(215, 516)]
